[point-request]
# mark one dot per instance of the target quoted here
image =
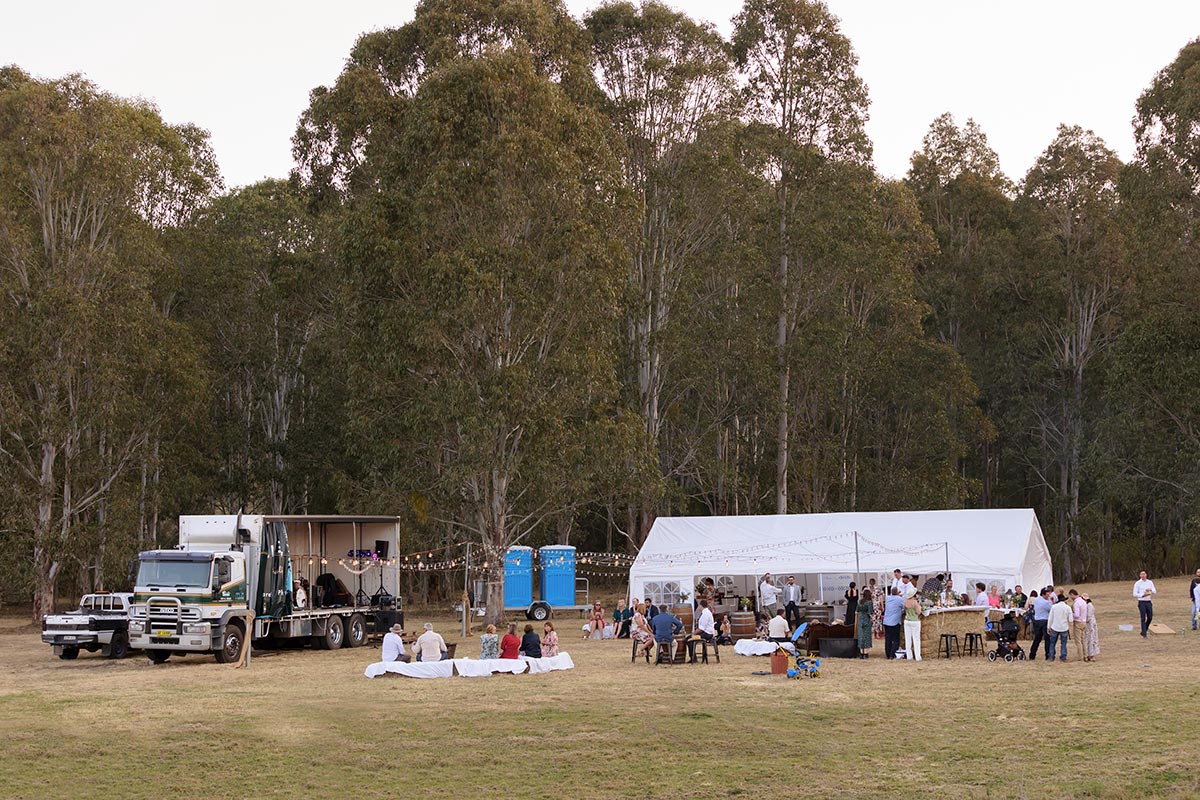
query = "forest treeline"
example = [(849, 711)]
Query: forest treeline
[(537, 278)]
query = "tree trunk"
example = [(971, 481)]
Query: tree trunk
[(781, 341)]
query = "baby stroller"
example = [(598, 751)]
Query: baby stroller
[(1005, 632)]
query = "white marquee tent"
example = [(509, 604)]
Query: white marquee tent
[(1003, 546)]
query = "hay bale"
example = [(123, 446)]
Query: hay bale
[(959, 621)]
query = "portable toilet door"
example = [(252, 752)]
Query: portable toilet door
[(518, 577), (558, 575)]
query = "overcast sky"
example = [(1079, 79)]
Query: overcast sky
[(243, 70)]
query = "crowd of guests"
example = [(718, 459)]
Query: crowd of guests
[(430, 646)]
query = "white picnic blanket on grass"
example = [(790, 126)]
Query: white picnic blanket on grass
[(470, 667), (757, 647)]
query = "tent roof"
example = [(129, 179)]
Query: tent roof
[(983, 543)]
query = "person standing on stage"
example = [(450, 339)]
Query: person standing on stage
[(1144, 591)]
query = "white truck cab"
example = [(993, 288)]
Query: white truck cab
[(100, 623)]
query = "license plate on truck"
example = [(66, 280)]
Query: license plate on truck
[(163, 634)]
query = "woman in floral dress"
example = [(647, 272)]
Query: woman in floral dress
[(639, 630), (489, 643), (549, 640), (876, 611)]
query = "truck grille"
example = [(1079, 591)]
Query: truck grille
[(167, 611)]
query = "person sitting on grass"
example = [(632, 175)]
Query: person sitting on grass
[(393, 645), (621, 617), (510, 644), (430, 646), (531, 645), (596, 622), (489, 644), (777, 628), (549, 640), (666, 625)]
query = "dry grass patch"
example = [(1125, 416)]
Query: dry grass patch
[(307, 723)]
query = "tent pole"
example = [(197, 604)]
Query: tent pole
[(466, 604), (857, 566), (946, 549)]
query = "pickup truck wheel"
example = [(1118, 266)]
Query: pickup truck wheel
[(356, 631), (69, 653), (232, 642), (334, 634), (158, 656), (119, 646)]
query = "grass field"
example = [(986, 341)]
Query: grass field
[(308, 724)]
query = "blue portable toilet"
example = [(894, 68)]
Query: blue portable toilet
[(558, 575), (518, 577)]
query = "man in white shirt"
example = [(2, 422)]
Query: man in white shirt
[(897, 582), (393, 645), (910, 586), (706, 625), (429, 646), (949, 598), (791, 602), (1059, 628), (1144, 590), (777, 628), (1078, 622), (767, 595)]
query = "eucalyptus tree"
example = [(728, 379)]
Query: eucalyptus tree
[(90, 368), (801, 84), (667, 80)]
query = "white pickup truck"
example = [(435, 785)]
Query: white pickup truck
[(100, 623)]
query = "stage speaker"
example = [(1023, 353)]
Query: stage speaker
[(384, 620), (381, 547)]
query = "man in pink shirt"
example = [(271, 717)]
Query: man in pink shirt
[(1078, 621)]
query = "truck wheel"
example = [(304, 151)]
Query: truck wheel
[(119, 646), (540, 612), (356, 631), (334, 634), (69, 653), (232, 642), (158, 656)]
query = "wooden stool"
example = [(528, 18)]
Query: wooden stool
[(944, 644), (974, 644), (662, 652)]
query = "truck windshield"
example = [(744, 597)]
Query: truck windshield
[(174, 573)]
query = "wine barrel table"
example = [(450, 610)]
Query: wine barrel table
[(742, 625), (684, 612)]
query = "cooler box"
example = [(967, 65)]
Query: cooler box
[(518, 577), (558, 574)]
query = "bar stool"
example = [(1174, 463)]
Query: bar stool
[(945, 642), (974, 644), (633, 657), (662, 652)]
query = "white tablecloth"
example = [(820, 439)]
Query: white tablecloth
[(755, 647), (470, 667)]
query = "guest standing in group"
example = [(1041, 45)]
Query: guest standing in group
[(596, 621), (1078, 622), (1059, 628), (393, 645), (1091, 632), (866, 613), (876, 611), (791, 602), (641, 631), (912, 628), (550, 640), (897, 583), (981, 598), (948, 596), (1041, 616), (489, 644), (1144, 591), (531, 645), (993, 596), (1195, 598), (893, 616), (510, 645), (768, 595), (851, 603), (621, 617), (933, 585)]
